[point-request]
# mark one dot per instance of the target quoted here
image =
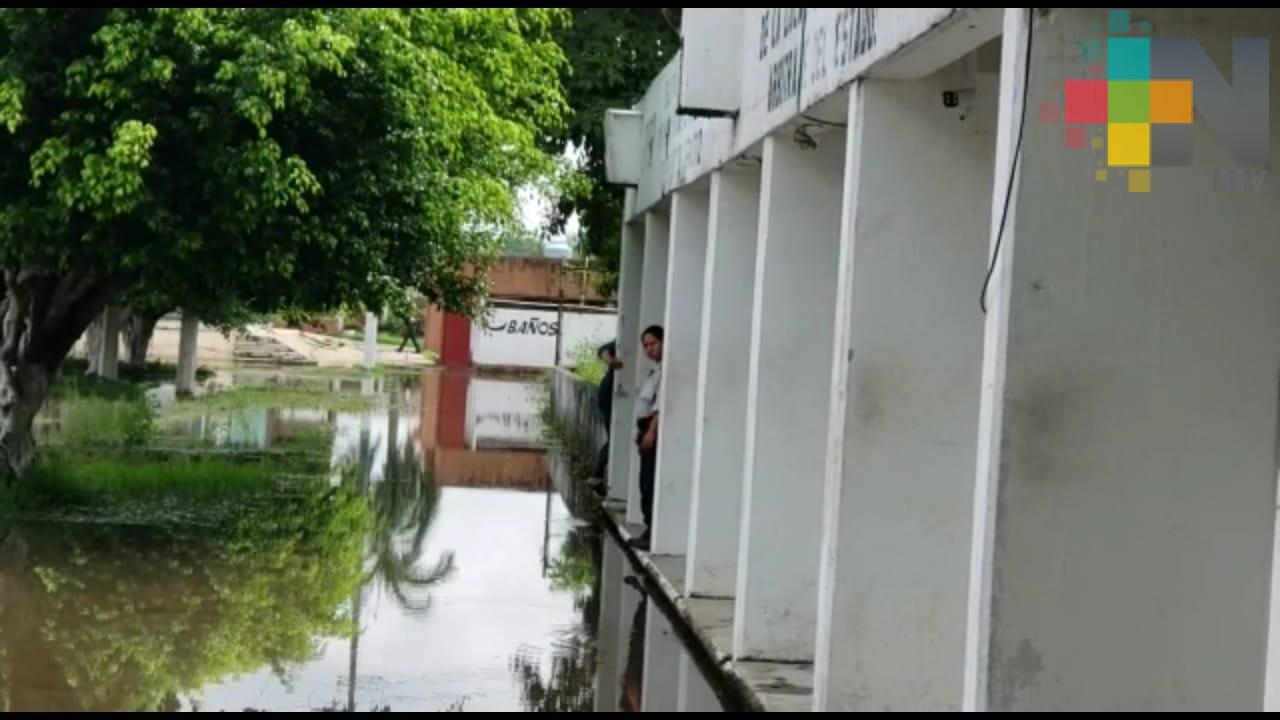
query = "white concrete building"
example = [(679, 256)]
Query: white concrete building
[(973, 351)]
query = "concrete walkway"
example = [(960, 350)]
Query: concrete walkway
[(329, 351)]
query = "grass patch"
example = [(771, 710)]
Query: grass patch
[(80, 386), (79, 479), (243, 398), (586, 364), (307, 440), (148, 373), (91, 421)]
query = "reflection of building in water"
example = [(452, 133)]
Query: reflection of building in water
[(482, 432), (258, 428)]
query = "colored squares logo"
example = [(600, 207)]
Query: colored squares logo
[(1171, 101), (1141, 122), (1086, 101), (1128, 101), (1128, 144), (1128, 58)]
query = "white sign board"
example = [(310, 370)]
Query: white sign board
[(526, 337), (842, 43), (772, 67), (790, 60), (793, 58), (515, 338)]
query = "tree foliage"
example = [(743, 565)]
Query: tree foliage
[(613, 55), (247, 160)]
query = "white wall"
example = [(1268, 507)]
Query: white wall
[(681, 348), (623, 461), (1128, 459), (899, 503), (653, 305), (720, 441), (526, 337), (788, 396)]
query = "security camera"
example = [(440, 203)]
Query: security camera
[(956, 98)]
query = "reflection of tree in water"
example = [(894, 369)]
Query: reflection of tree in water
[(115, 617), (570, 683), (575, 568), (403, 505)]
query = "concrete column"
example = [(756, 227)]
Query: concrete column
[(188, 336), (109, 353), (682, 327), (661, 684), (694, 694), (611, 642), (622, 452), (720, 437), (370, 340), (653, 295), (788, 398), (899, 499), (1127, 449)]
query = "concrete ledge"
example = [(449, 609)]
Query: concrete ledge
[(705, 628)]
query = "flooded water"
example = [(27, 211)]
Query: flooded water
[(405, 556)]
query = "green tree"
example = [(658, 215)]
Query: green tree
[(238, 160), (614, 54)]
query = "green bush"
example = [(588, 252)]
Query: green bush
[(586, 364)]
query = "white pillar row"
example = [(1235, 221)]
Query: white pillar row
[(653, 296), (109, 353), (622, 451), (1126, 461), (788, 397), (661, 681), (899, 500), (188, 338), (720, 436), (682, 330)]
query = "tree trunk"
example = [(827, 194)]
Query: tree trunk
[(41, 317), (138, 329), (22, 393)]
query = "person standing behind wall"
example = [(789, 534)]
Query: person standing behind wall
[(608, 354), (647, 404)]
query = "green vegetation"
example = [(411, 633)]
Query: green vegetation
[(586, 363), (241, 398), (130, 617)]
